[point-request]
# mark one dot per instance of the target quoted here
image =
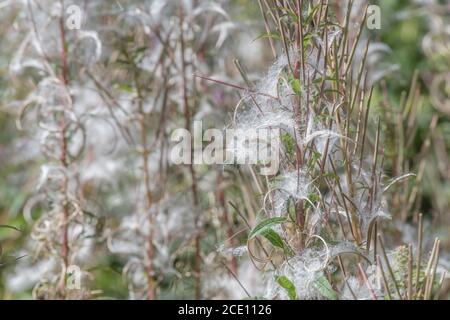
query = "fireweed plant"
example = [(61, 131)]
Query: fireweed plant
[(107, 213), (168, 44), (62, 237), (318, 234)]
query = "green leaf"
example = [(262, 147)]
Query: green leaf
[(264, 228), (307, 39), (311, 12), (291, 209), (314, 198), (315, 157), (126, 88), (9, 227), (289, 143), (265, 225), (274, 238), (295, 85), (287, 284), (267, 35), (324, 287), (331, 175)]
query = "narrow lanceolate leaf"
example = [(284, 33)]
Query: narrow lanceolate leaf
[(287, 284), (277, 241), (324, 287), (274, 238), (9, 227), (265, 225), (369, 234), (267, 35)]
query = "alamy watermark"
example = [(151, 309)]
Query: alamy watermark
[(229, 146), (74, 17), (73, 277), (373, 20)]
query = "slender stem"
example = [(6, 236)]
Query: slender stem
[(391, 272), (198, 259), (410, 273), (383, 275), (366, 280), (65, 249), (419, 251)]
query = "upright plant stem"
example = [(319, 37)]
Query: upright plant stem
[(185, 98), (65, 250), (150, 253)]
